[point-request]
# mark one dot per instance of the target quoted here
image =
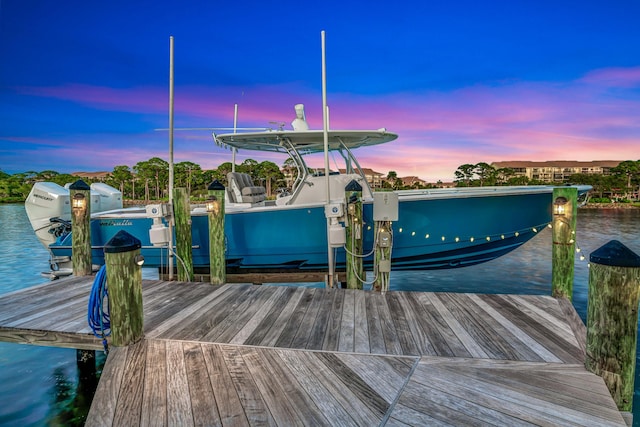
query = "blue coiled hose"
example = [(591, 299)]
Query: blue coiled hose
[(98, 310)]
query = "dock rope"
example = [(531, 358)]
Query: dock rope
[(98, 310)]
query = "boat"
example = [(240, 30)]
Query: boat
[(431, 228)]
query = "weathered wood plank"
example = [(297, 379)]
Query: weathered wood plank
[(232, 324), (533, 328), (257, 317), (260, 334), (374, 325), (351, 402), (192, 311), (290, 330), (103, 409), (577, 326), (298, 364), (197, 323), (346, 340), (332, 335), (280, 323), (203, 402), (303, 334), (255, 408), (273, 370), (129, 410), (319, 328), (531, 348), (154, 398), (489, 334), (361, 326), (50, 338), (380, 372), (400, 315), (179, 411), (362, 391), (442, 337), (224, 390)]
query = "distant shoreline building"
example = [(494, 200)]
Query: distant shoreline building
[(557, 170)]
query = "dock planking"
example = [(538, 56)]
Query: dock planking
[(276, 355)]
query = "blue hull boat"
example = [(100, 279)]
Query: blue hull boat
[(435, 228)]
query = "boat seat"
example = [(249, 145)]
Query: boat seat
[(242, 190)]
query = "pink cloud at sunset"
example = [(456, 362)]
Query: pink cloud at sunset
[(583, 119)]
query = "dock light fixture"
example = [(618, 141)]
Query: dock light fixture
[(213, 205), (138, 259), (78, 203), (560, 206)]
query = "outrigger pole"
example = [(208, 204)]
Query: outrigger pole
[(170, 255), (325, 121)]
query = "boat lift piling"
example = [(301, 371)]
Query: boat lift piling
[(215, 211), (182, 215), (612, 319), (565, 212), (80, 195), (354, 229), (124, 276)]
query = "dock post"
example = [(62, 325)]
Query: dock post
[(612, 319), (182, 212), (565, 212), (354, 225), (80, 195), (215, 209), (124, 278)]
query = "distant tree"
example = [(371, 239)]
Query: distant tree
[(393, 180), (464, 174), (119, 177), (290, 170), (503, 175), (271, 173), (486, 173), (630, 170), (153, 170), (221, 172), (251, 167), (188, 174)]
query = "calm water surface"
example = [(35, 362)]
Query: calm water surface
[(39, 385)]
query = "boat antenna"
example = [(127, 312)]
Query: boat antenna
[(325, 126), (235, 129), (170, 255)]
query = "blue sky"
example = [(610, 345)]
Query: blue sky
[(84, 85)]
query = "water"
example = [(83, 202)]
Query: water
[(40, 385)]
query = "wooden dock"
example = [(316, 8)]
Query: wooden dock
[(279, 355)]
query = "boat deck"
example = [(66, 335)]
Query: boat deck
[(279, 355)]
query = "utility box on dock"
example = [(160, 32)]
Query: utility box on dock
[(385, 206)]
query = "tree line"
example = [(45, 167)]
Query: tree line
[(623, 181), (149, 180)]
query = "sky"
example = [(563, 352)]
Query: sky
[(84, 86)]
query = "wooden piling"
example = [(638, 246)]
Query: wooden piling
[(565, 211), (124, 278), (182, 213), (612, 319), (215, 210), (80, 197), (354, 230)]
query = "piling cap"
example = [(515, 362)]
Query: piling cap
[(615, 254), (79, 185), (215, 185), (122, 242), (353, 186)]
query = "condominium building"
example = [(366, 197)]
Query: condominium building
[(557, 170)]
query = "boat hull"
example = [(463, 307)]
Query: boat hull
[(433, 231)]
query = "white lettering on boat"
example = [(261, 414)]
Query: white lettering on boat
[(115, 223)]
